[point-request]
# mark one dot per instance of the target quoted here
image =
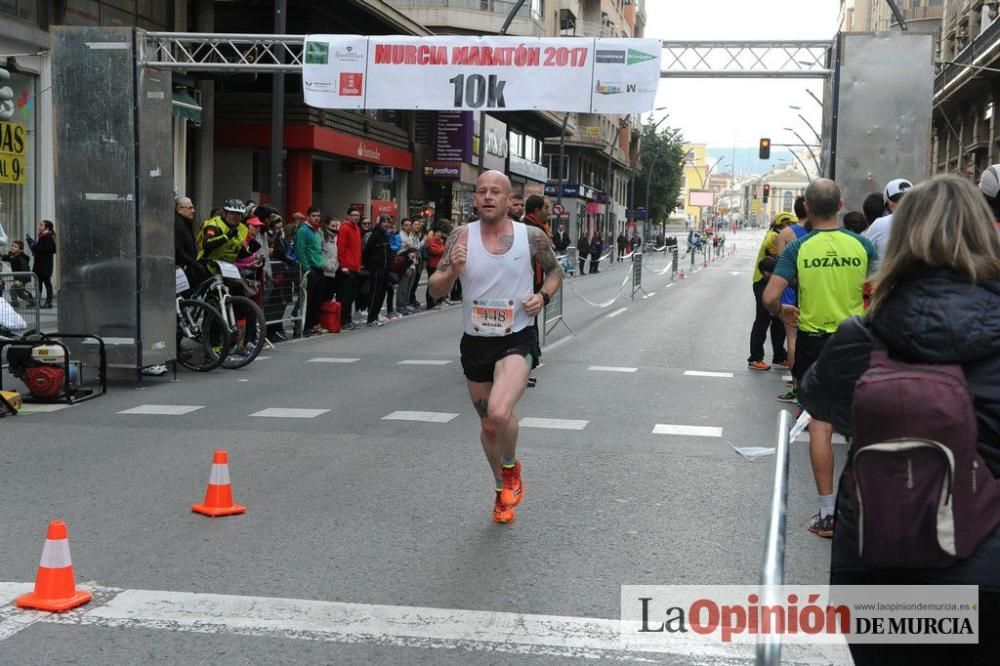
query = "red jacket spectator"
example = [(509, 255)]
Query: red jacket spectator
[(349, 246), (435, 249)]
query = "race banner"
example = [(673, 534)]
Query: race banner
[(464, 73)]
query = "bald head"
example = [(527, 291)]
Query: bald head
[(823, 200), (492, 196), (184, 207)]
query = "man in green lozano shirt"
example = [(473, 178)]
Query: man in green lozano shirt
[(831, 266)]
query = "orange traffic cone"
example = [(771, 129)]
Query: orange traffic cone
[(682, 276), (219, 495), (55, 590), (704, 263)]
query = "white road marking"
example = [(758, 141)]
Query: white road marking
[(331, 359), (163, 410), (669, 286), (735, 273), (422, 361), (426, 417), (41, 408), (560, 341), (616, 313), (703, 373), (649, 295), (553, 424), (262, 358), (786, 378), (290, 413), (693, 431), (405, 626), (608, 368)]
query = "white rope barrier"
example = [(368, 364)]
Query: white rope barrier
[(606, 303)]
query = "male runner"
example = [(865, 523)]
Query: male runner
[(493, 257)]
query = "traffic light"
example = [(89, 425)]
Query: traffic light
[(767, 193), (765, 149), (6, 96)]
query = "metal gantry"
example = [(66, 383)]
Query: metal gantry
[(741, 59), (222, 52)]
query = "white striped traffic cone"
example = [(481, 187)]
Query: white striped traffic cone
[(55, 589), (219, 495)]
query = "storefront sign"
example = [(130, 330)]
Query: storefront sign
[(453, 136), (382, 207), (528, 169), (13, 147), (593, 208), (459, 72), (443, 170), (314, 137), (496, 145), (568, 190), (382, 174)]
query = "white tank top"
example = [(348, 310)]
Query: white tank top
[(493, 285)]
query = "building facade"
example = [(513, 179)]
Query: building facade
[(876, 16), (965, 139)]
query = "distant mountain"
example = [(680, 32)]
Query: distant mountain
[(746, 160)]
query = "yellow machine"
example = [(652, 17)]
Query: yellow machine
[(10, 402)]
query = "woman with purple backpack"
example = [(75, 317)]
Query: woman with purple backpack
[(916, 383)]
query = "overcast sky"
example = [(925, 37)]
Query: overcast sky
[(728, 112)]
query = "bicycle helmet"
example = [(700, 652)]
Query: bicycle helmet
[(233, 206)]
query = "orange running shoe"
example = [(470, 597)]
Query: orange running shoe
[(513, 489), (501, 512), (758, 365), (785, 364)]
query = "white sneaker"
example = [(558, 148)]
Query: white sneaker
[(155, 370), (363, 314)]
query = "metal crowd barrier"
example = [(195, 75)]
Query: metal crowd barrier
[(552, 316), (573, 259), (675, 261), (284, 299), (20, 293), (637, 274), (773, 570)]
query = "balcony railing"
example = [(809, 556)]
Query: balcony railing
[(501, 7), (982, 43)]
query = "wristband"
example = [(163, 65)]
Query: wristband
[(545, 297)]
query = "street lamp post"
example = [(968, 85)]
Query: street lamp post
[(808, 147)]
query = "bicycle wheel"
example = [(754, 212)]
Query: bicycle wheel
[(249, 326), (202, 336)]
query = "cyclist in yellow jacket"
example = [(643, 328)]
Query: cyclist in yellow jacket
[(223, 237)]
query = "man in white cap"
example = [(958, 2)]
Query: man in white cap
[(878, 233), (989, 183)]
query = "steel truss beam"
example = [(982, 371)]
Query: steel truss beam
[(753, 60), (221, 52)]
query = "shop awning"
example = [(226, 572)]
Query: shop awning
[(185, 106)]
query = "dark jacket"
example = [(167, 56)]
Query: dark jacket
[(596, 248), (934, 317), (583, 247), (376, 255), (44, 250), (622, 242), (560, 241), (19, 263), (185, 248)]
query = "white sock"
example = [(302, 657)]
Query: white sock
[(825, 506)]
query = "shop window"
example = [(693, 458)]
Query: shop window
[(26, 10)]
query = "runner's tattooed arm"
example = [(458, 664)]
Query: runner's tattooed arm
[(451, 264), (544, 254)]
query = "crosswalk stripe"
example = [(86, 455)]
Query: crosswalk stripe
[(553, 424), (332, 359), (162, 410), (703, 373), (289, 413), (422, 361), (693, 431), (41, 408), (608, 368), (616, 313), (490, 632), (427, 417)]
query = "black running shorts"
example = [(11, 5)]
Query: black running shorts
[(480, 354), (807, 350)]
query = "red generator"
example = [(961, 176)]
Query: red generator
[(329, 316)]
